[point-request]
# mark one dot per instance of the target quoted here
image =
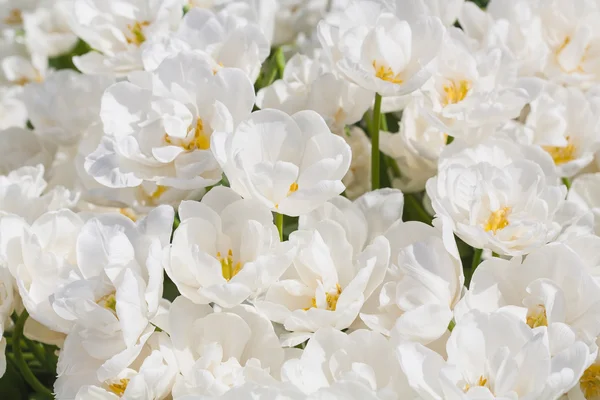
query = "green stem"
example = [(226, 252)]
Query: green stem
[(280, 61), (567, 183), (23, 367), (279, 223), (375, 143), (415, 204), (474, 263), (38, 353)]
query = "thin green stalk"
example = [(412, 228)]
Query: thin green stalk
[(23, 367), (280, 62), (567, 183), (279, 224), (375, 143), (38, 353)]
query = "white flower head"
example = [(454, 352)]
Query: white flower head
[(328, 284), (333, 358), (499, 195), (119, 30), (158, 126), (291, 164), (493, 356), (22, 147), (24, 192), (309, 84), (585, 191), (13, 112), (422, 286), (381, 50), (63, 106), (217, 351), (47, 30), (564, 122), (226, 249)]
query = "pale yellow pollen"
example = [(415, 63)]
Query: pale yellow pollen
[(215, 70), (590, 382), (22, 81), (200, 141), (497, 220), (537, 317), (559, 50), (562, 155), (481, 382), (331, 299), (456, 92), (137, 32), (160, 190), (129, 213), (120, 387), (15, 17), (108, 301), (293, 188), (386, 74), (229, 268)]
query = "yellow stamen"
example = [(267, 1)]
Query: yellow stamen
[(456, 93), (128, 212), (497, 220), (137, 30), (15, 17), (590, 382), (200, 141), (293, 188), (160, 190), (481, 382), (109, 302), (229, 269), (330, 298), (119, 388), (538, 317), (562, 155), (386, 74)]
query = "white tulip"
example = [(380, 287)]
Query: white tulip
[(500, 196), (216, 351), (120, 36), (158, 126), (585, 191), (21, 147), (381, 50), (290, 164), (226, 249)]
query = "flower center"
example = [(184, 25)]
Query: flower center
[(229, 268), (386, 74), (537, 317), (109, 302), (119, 387), (590, 382), (129, 213), (331, 299), (456, 93), (137, 33), (560, 49), (480, 382), (15, 17), (562, 155), (200, 140), (497, 220)]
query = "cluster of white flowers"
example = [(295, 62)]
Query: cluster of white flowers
[(408, 208)]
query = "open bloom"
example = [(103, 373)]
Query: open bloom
[(226, 249), (328, 284), (493, 356), (158, 126), (24, 192), (422, 286), (216, 351), (333, 358), (47, 30), (565, 124), (500, 196), (290, 164), (150, 376), (309, 84), (381, 50), (552, 287), (63, 106), (119, 37), (21, 147)]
